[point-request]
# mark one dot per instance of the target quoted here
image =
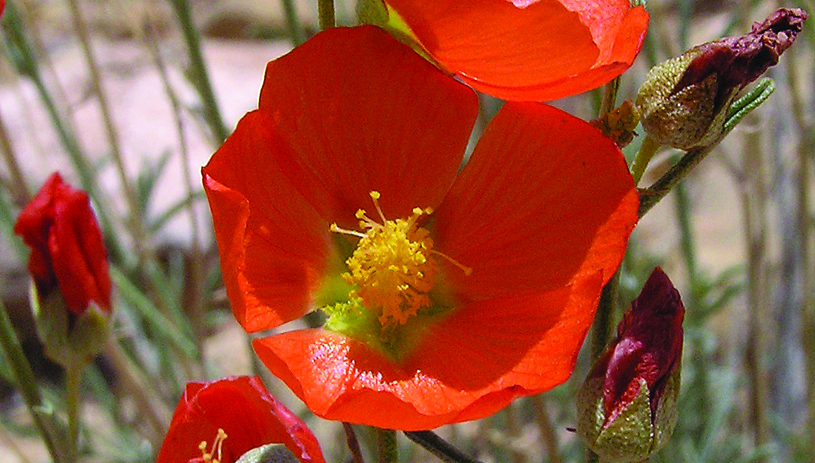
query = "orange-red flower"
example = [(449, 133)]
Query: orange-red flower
[(230, 417), (460, 291), (529, 50), (67, 252)]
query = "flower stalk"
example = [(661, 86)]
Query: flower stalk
[(198, 70), (292, 22), (27, 383), (386, 445), (326, 14), (442, 449)]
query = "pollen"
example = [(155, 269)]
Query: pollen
[(215, 453), (391, 268)]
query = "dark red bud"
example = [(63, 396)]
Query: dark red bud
[(67, 252), (648, 346), (738, 61)]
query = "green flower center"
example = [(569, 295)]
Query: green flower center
[(391, 272)]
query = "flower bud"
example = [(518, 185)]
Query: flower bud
[(68, 265), (684, 101), (627, 405)]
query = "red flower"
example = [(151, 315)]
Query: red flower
[(66, 246), (468, 290), (530, 50), (240, 409)]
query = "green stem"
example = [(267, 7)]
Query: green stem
[(326, 11), (604, 318), (609, 96), (73, 377), (647, 151), (602, 328), (386, 445), (548, 434), (18, 187), (353, 443), (295, 31), (198, 71), (137, 228), (650, 196), (442, 449), (21, 371), (142, 392)]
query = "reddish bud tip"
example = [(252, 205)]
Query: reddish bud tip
[(67, 252), (648, 345), (740, 60)]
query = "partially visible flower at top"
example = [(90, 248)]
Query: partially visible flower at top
[(684, 101), (627, 405), (67, 252), (448, 294), (520, 50), (219, 421)]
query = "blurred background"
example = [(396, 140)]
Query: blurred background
[(113, 94)]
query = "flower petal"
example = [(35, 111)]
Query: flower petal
[(545, 199), (528, 50), (363, 112), (467, 366), (249, 415), (274, 246)]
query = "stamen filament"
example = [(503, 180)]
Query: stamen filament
[(336, 229), (467, 270), (375, 195)]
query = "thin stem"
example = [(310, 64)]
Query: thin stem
[(198, 71), (609, 96), (73, 377), (295, 31), (197, 264), (548, 435), (133, 381), (647, 151), (514, 434), (650, 196), (604, 318), (19, 189), (326, 11), (353, 442), (137, 225), (754, 223), (21, 371), (386, 445), (807, 310), (442, 449)]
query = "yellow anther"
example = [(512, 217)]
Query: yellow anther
[(216, 449), (390, 269)]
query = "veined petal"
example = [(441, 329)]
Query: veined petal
[(545, 199), (274, 246), (467, 366), (528, 50), (363, 112)]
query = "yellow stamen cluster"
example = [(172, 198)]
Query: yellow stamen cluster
[(390, 267), (215, 451)]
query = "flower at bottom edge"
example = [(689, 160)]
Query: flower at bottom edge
[(226, 418), (499, 266)]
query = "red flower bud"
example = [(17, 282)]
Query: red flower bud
[(627, 406), (66, 246), (648, 345), (227, 418)]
